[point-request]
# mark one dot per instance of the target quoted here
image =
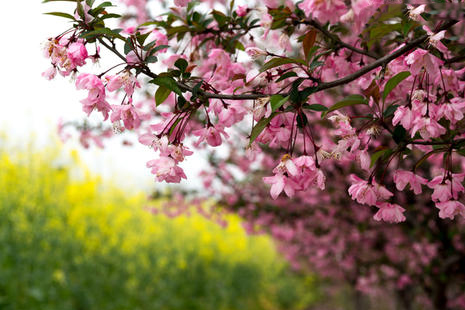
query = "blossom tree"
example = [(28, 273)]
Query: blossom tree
[(338, 118)]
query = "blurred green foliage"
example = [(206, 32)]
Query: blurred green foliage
[(78, 243)]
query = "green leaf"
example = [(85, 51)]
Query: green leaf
[(219, 17), (181, 64), (167, 82), (173, 127), (149, 46), (80, 10), (128, 46), (399, 134), (377, 155), (286, 76), (303, 95), (390, 110), (279, 61), (151, 59), (157, 48), (260, 126), (315, 64), (102, 32), (393, 82), (110, 15), (461, 152), (61, 14), (196, 89), (348, 101), (294, 94), (240, 46), (161, 94), (276, 101), (315, 107), (104, 5), (176, 30), (142, 37)]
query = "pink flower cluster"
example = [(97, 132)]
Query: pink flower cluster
[(293, 175), (66, 54), (166, 167)]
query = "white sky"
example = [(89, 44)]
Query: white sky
[(31, 105)]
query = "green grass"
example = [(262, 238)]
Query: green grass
[(77, 243)]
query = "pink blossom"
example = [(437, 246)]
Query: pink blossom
[(77, 54), (388, 212), (124, 79), (442, 189), (365, 160), (362, 192), (419, 59), (404, 116), (181, 3), (64, 136), (130, 30), (305, 161), (50, 73), (453, 110), (362, 10), (402, 178), (450, 208), (255, 52), (86, 136), (212, 134), (165, 169), (308, 174), (286, 166), (365, 193), (178, 152), (96, 95), (427, 127), (131, 58), (261, 108), (445, 189), (435, 39), (127, 114), (232, 115), (241, 10), (415, 12), (324, 10), (64, 55), (266, 20), (279, 183)]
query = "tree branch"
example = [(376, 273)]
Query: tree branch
[(455, 59), (383, 61)]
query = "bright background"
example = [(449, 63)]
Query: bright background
[(32, 105)]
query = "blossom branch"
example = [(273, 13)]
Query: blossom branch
[(383, 61)]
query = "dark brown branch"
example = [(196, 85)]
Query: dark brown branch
[(455, 59), (453, 143)]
